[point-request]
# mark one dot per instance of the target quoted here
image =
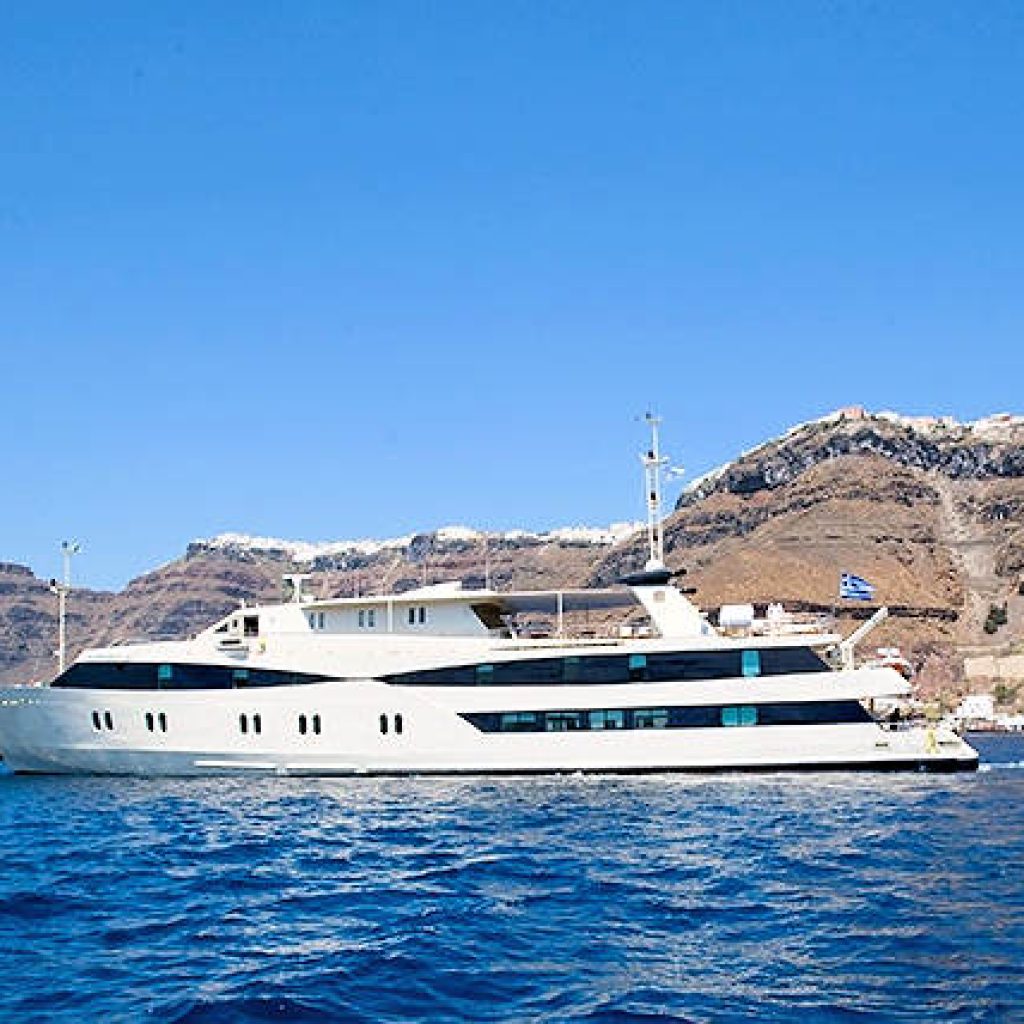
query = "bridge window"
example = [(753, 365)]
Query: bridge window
[(250, 625)]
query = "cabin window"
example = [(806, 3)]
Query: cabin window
[(251, 625), (371, 618), (302, 725), (563, 721), (484, 675), (239, 677), (650, 718), (96, 724), (362, 619), (312, 620), (607, 719), (637, 667), (519, 721), (423, 616), (740, 716), (243, 723), (257, 724), (383, 725), (149, 720), (164, 674), (316, 725), (162, 719), (108, 720), (751, 663), (320, 620), (571, 669), (398, 725)]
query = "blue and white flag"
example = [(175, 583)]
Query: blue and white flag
[(855, 588)]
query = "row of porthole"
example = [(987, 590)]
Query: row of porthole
[(306, 722)]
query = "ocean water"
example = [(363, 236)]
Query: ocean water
[(651, 899)]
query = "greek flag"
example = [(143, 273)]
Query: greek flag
[(855, 588)]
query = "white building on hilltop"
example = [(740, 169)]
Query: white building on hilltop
[(977, 707)]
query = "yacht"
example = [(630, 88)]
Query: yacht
[(449, 680)]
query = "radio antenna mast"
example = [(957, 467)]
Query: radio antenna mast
[(68, 548), (652, 461)]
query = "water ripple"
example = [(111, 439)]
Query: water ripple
[(839, 898)]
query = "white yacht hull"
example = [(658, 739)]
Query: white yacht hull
[(53, 731)]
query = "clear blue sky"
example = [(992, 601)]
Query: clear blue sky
[(327, 270)]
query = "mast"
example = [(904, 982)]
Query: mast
[(652, 461), (62, 589)]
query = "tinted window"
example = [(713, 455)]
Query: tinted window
[(697, 717), (149, 676)]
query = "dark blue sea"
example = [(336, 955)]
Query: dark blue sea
[(777, 898)]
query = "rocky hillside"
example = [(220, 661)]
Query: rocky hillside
[(930, 510)]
